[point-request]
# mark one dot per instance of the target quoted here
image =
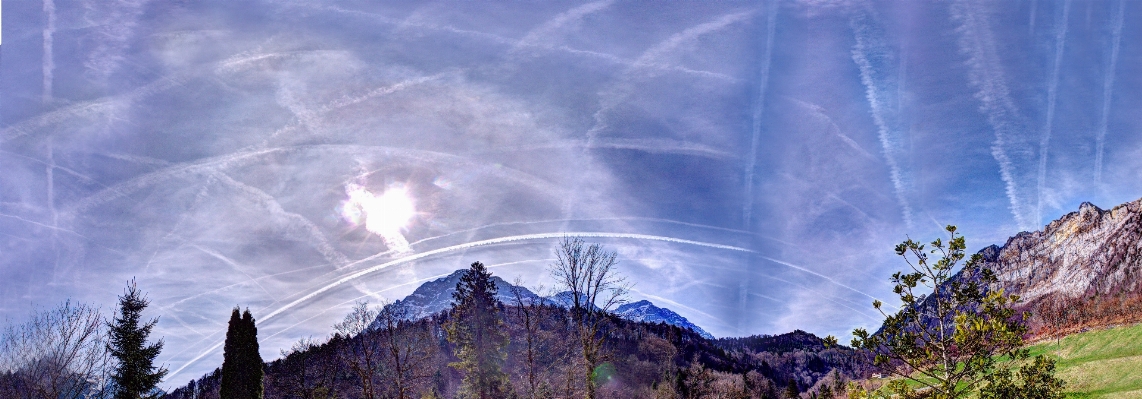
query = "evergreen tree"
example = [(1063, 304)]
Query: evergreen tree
[(477, 329), (135, 375), (791, 390), (242, 366)]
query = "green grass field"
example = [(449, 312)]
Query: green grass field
[(1098, 364)]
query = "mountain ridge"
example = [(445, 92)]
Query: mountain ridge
[(436, 296), (1080, 271)]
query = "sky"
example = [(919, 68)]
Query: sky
[(752, 163)]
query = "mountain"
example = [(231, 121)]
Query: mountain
[(644, 311), (1080, 271), (435, 296)]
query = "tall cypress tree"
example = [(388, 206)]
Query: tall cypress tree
[(136, 375), (242, 366), (477, 329), (254, 363)]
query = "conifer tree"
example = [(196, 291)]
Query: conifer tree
[(242, 366), (477, 329), (135, 375)]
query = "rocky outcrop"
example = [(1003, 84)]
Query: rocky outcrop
[(1082, 270), (1092, 252)]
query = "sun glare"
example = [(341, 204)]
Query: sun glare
[(385, 215)]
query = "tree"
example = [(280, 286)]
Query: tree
[(59, 353), (135, 376), (791, 390), (409, 350), (242, 366), (530, 313), (954, 339), (477, 329), (1039, 382), (361, 351), (305, 373), (587, 273)]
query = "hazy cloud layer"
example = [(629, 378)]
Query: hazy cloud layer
[(752, 162)]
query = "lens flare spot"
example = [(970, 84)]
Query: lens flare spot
[(385, 215)]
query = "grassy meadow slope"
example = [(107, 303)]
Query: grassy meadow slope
[(1098, 364)]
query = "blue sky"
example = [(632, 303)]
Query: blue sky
[(753, 163)]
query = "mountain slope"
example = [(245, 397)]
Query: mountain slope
[(645, 311), (1082, 270)]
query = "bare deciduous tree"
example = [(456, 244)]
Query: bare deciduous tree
[(587, 273), (362, 353), (59, 354), (529, 312), (409, 351), (308, 375)]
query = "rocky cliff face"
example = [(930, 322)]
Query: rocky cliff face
[(1082, 270), (1092, 252)]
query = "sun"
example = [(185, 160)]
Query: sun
[(385, 215)]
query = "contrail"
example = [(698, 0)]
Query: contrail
[(494, 241), (421, 280), (1052, 97), (985, 74), (514, 44), (819, 112), (871, 52), (234, 264), (830, 279), (501, 240), (560, 220), (311, 231), (1107, 91), (49, 60), (101, 105), (679, 305), (647, 145), (570, 16), (650, 59), (213, 164), (758, 112)]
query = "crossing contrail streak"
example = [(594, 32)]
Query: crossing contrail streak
[(1052, 97), (830, 279), (986, 74), (647, 145), (568, 17), (312, 233), (233, 264), (758, 112), (871, 53), (460, 247), (1108, 91), (679, 305), (211, 165), (98, 106), (49, 60)]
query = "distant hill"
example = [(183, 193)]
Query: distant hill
[(794, 341), (436, 296)]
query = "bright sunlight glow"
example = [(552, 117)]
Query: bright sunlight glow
[(385, 215)]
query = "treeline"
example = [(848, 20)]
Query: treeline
[(643, 360), (482, 348), (73, 352)]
